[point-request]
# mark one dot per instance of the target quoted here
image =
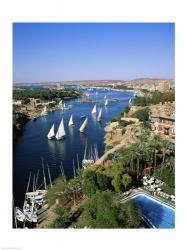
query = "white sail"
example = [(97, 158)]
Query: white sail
[(105, 97), (106, 102), (51, 133), (61, 131), (99, 115), (64, 105), (83, 125), (71, 121), (45, 111), (130, 101), (60, 103), (94, 110)]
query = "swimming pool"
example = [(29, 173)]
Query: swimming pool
[(156, 213)]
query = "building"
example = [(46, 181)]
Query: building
[(34, 102), (59, 86), (162, 120), (163, 126)]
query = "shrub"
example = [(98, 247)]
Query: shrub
[(142, 115), (104, 210), (89, 182), (127, 109)]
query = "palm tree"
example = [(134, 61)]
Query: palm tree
[(126, 180), (155, 142), (73, 185), (170, 163), (165, 144)]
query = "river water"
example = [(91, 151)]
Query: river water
[(33, 143)]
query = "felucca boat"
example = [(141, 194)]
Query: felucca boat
[(71, 124), (106, 102), (83, 126), (51, 133), (99, 115), (44, 111), (94, 110), (61, 131)]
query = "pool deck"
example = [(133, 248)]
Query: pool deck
[(134, 192)]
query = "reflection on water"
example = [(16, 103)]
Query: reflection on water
[(51, 145), (33, 144), (71, 132)]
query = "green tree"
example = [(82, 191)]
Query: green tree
[(103, 181), (142, 115), (104, 210), (62, 220), (117, 183), (126, 180), (129, 215), (89, 182)]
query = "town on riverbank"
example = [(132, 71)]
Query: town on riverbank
[(139, 157)]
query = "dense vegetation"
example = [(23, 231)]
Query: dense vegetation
[(155, 98), (103, 210), (143, 116), (92, 199), (45, 94), (19, 120), (100, 209)]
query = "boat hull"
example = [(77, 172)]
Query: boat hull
[(50, 137), (61, 138)]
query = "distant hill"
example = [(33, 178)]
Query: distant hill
[(151, 84), (139, 83)]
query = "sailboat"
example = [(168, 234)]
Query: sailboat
[(99, 115), (91, 157), (51, 133), (61, 131), (130, 101), (106, 102), (66, 107), (83, 126), (44, 111), (105, 97), (70, 124), (19, 214), (60, 103), (94, 110)]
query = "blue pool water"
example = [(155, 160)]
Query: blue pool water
[(33, 144), (160, 215)]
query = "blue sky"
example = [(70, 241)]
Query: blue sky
[(92, 51)]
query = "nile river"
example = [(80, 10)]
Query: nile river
[(33, 143)]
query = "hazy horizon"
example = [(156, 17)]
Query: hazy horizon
[(151, 78)]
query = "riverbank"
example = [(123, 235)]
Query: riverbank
[(130, 153), (28, 105)]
